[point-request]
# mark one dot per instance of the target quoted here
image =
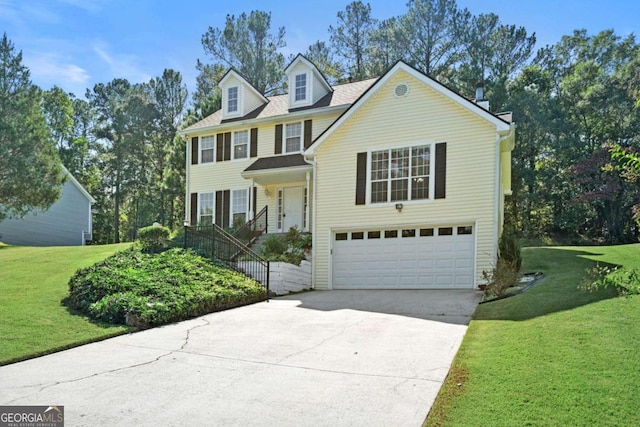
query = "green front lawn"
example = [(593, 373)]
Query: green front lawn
[(553, 356), (33, 282)]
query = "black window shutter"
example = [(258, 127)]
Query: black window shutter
[(227, 146), (253, 151), (219, 209), (194, 208), (219, 147), (361, 179), (278, 144), (441, 170), (194, 150), (307, 134), (226, 194)]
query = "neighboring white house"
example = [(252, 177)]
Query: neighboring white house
[(400, 179), (68, 222)]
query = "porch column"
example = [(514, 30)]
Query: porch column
[(306, 209), (252, 209)]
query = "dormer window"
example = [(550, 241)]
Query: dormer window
[(232, 100), (301, 87)]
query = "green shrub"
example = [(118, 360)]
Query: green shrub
[(290, 248), (273, 245), (143, 290), (153, 238), (509, 248), (177, 238), (624, 281), (502, 277)]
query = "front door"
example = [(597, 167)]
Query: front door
[(293, 208)]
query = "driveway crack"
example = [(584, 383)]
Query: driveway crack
[(122, 368)]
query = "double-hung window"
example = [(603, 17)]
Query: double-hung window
[(232, 100), (301, 87), (240, 144), (207, 147), (293, 138), (206, 209), (239, 207), (400, 174)]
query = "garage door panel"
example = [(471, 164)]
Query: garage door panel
[(414, 259)]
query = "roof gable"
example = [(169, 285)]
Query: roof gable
[(247, 97), (77, 184), (301, 59), (237, 75), (498, 122)]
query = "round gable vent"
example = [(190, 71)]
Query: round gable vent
[(401, 90)]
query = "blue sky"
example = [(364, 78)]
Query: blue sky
[(77, 43)]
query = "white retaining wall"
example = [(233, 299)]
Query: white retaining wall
[(285, 277)]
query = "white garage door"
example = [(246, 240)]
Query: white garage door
[(414, 258)]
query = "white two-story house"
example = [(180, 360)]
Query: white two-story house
[(400, 180)]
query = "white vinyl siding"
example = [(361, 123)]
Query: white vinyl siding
[(385, 120), (225, 175)]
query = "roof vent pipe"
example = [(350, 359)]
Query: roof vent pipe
[(480, 96), (479, 92)]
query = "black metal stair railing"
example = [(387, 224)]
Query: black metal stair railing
[(250, 231), (215, 243)]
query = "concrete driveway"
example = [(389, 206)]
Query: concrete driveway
[(338, 358)]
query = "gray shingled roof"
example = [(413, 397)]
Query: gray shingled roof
[(277, 162), (278, 105)]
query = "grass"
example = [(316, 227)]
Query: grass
[(33, 282), (553, 356)]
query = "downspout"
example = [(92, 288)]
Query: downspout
[(496, 215), (313, 224), (187, 199)]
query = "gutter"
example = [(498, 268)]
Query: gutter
[(312, 113)]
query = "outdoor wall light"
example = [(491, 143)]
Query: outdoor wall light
[(399, 207), (266, 192)]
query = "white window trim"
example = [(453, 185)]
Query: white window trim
[(233, 144), (284, 138), (225, 104), (232, 207), (292, 96), (200, 150), (213, 205), (432, 168)]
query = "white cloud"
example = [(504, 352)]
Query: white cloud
[(48, 69), (121, 65)]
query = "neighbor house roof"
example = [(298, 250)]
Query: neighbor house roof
[(77, 184), (344, 94)]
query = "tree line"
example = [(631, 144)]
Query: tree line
[(575, 104)]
